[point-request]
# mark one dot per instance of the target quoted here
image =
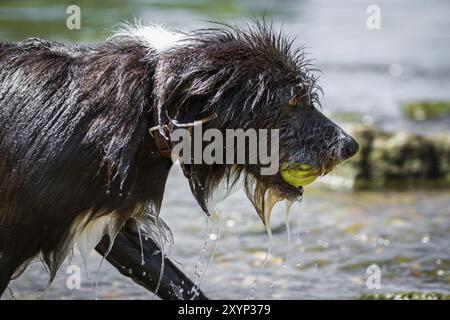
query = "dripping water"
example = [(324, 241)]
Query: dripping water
[(140, 243), (298, 240), (163, 256), (270, 199), (288, 230), (102, 260), (198, 266), (216, 231), (98, 275), (266, 258), (47, 291), (11, 293), (213, 230)]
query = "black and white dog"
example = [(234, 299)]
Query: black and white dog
[(77, 162)]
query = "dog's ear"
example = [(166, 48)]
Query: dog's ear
[(188, 91), (176, 102)]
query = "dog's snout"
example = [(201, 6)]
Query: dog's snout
[(350, 147)]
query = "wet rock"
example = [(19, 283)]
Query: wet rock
[(399, 159), (426, 110)]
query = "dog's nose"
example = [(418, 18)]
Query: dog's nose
[(350, 148)]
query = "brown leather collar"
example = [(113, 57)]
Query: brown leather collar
[(163, 144)]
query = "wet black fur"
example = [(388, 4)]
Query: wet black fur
[(74, 126)]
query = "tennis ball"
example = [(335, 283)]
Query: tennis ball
[(297, 174)]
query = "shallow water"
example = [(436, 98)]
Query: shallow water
[(341, 233)]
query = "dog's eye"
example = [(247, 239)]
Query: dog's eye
[(293, 102)]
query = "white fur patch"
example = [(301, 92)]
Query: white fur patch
[(153, 36), (88, 237)]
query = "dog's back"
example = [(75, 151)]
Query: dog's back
[(72, 120)]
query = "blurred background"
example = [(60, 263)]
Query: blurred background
[(389, 206)]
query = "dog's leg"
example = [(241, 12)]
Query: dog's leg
[(126, 255)]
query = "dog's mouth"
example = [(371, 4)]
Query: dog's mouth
[(265, 193), (291, 178), (284, 189), (210, 184), (287, 184), (298, 174)]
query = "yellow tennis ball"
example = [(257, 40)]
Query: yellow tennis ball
[(297, 174)]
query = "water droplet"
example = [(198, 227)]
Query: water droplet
[(213, 236), (230, 223)]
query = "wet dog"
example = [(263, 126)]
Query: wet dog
[(77, 161)]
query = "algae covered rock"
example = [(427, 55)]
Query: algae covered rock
[(442, 144), (394, 160), (426, 110)]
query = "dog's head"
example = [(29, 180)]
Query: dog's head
[(251, 79)]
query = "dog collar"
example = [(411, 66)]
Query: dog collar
[(162, 141)]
